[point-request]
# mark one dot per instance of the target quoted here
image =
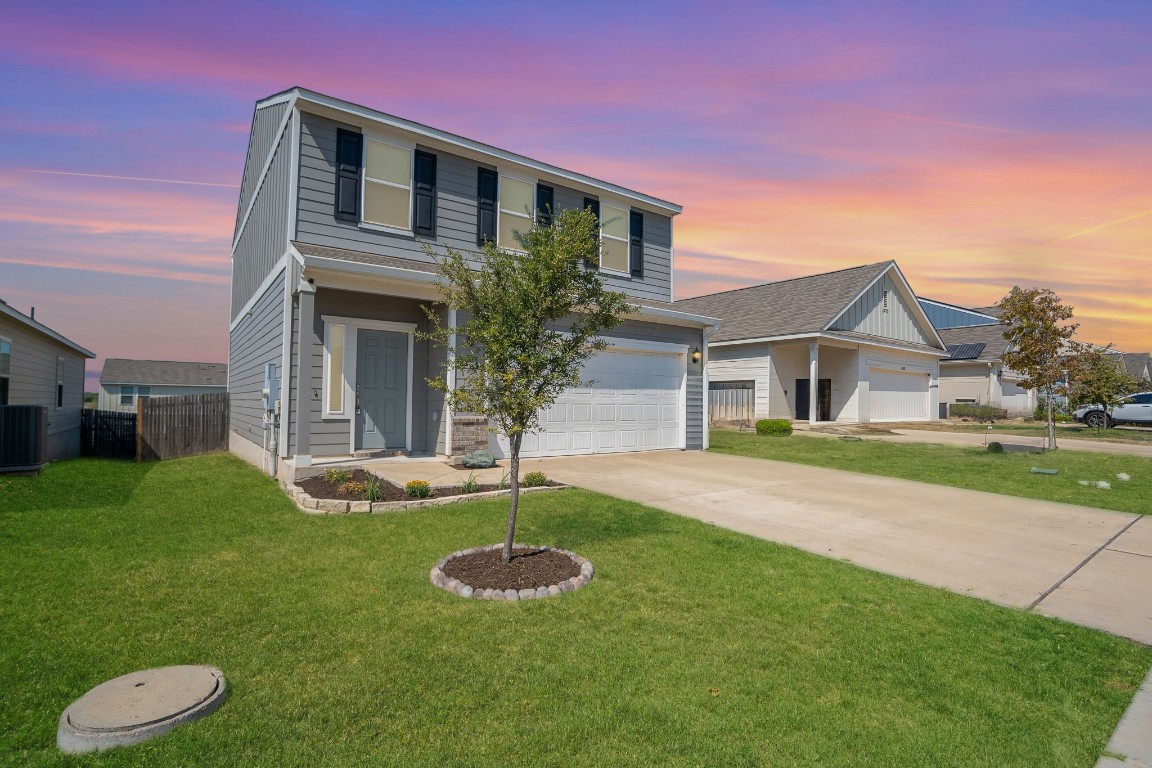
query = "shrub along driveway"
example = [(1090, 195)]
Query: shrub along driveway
[(1089, 566)]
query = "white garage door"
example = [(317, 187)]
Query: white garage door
[(634, 405), (897, 395)]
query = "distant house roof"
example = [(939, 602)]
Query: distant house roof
[(800, 305), (35, 325), (1139, 364), (990, 338), (164, 373), (965, 351), (993, 310)]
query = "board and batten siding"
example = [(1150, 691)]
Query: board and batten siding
[(256, 341), (332, 436), (266, 122), (265, 237), (33, 382), (317, 224), (869, 316)]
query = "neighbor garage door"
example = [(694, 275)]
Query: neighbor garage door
[(897, 395), (635, 404)]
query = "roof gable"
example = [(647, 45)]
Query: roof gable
[(888, 309), (42, 329)]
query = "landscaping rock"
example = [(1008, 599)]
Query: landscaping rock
[(527, 594), (511, 594), (479, 460), (542, 592), (359, 506)]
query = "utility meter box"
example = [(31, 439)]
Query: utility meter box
[(271, 392)]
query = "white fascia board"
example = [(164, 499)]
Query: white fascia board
[(35, 325), (818, 336), (676, 317), (484, 152), (937, 353)]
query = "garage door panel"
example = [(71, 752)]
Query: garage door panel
[(897, 395), (633, 404)]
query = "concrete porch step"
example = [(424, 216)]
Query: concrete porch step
[(386, 454)]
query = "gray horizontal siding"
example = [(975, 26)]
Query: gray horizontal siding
[(265, 237), (33, 382), (265, 121), (868, 315), (657, 280), (256, 341), (330, 437), (456, 213)]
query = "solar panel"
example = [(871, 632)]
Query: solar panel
[(965, 351)]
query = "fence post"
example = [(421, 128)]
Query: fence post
[(139, 430)]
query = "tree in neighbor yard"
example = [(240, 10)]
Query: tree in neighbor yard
[(530, 322), (1102, 378), (1041, 348)]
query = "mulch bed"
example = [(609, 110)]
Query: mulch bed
[(319, 488), (530, 568)]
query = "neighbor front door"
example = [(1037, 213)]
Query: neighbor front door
[(823, 399), (381, 390)]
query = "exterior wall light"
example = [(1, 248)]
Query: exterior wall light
[(696, 356)]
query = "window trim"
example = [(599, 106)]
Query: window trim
[(131, 393), (530, 218), (398, 143), (326, 382)]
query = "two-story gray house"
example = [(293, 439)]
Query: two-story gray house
[(329, 279)]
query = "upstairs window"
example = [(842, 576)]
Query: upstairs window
[(516, 206), (5, 369), (636, 244), (545, 197), (387, 185), (485, 206), (349, 153), (614, 242), (424, 195)]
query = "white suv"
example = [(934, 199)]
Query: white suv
[(1134, 409)]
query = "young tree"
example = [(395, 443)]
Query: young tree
[(1101, 378), (1042, 348), (531, 321)]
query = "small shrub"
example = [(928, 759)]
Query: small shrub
[(372, 491), (534, 480), (337, 475), (352, 488), (972, 411), (418, 489), (503, 482), (471, 485), (995, 447), (773, 427)]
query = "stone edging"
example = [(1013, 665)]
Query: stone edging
[(312, 506), (442, 580)]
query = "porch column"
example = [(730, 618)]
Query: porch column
[(306, 296), (813, 380)]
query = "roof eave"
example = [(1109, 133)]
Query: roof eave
[(36, 325)]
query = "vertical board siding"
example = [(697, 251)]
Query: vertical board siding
[(33, 382), (265, 121), (752, 362), (253, 343), (265, 237), (953, 317), (317, 224), (867, 315)]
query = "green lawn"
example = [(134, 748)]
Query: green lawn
[(975, 468), (692, 646), (1034, 429)]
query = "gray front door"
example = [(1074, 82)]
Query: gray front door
[(381, 390)]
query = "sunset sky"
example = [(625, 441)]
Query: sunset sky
[(979, 144)]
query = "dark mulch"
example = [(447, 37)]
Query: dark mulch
[(530, 568), (320, 488)]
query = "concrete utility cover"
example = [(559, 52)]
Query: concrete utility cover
[(139, 706)]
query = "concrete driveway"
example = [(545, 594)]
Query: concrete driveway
[(1089, 566)]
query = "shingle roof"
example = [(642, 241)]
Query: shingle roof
[(1139, 364), (993, 310), (800, 305), (164, 372), (991, 336)]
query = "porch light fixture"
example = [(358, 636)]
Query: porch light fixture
[(696, 356)]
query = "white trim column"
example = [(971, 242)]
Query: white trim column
[(813, 380), (304, 383)]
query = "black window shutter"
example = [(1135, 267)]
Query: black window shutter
[(592, 204), (544, 204), (424, 195), (349, 151), (485, 206), (636, 244)]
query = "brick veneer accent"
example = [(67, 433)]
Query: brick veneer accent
[(469, 433)]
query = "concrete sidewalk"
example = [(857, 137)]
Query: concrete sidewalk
[(977, 439), (1089, 566)]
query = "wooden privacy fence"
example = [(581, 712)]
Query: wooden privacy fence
[(108, 434), (188, 425), (23, 437), (731, 405), (161, 428)]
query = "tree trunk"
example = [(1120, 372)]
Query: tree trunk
[(1051, 420), (514, 445)]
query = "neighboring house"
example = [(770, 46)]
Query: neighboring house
[(1138, 365), (329, 282), (124, 382), (974, 373), (38, 366), (951, 316), (846, 346)]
